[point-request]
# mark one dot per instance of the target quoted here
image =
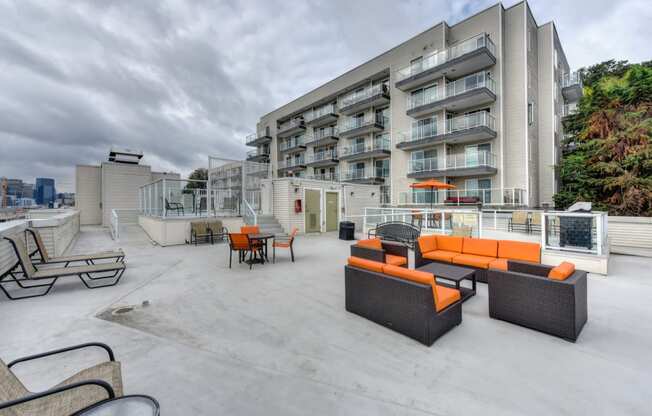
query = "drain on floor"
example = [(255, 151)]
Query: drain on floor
[(121, 310)]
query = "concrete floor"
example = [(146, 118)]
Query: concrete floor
[(277, 341)]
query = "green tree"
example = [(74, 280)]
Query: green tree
[(608, 157), (199, 174)]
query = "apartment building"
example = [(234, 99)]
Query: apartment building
[(477, 104)]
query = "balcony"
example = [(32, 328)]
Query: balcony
[(569, 109), (366, 176), (323, 158), (359, 126), (322, 137), (486, 196), (258, 155), (329, 177), (292, 165), (291, 127), (571, 86), (456, 165), (467, 92), (370, 97), (464, 58), (380, 147), (256, 139), (321, 116), (293, 144), (461, 129)]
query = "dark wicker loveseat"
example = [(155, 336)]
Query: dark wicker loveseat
[(391, 252), (401, 232), (402, 305), (524, 295)]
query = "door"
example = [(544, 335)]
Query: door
[(313, 211), (332, 208)]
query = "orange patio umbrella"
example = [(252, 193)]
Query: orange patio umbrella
[(431, 184)]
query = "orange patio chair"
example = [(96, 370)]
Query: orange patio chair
[(242, 244), (250, 229), (284, 242)]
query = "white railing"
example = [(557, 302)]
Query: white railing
[(452, 89), (441, 221), (120, 217), (178, 197), (573, 78), (319, 112), (440, 57), (323, 155), (378, 143), (357, 96), (249, 214), (575, 232), (462, 197)]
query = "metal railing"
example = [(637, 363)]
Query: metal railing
[(291, 163), (470, 160), (174, 198), (327, 132), (461, 197), (319, 112), (328, 176), (378, 143), (440, 57), (258, 152), (323, 155), (357, 96), (570, 79), (453, 88), (569, 109), (249, 139), (292, 142), (360, 174), (440, 221), (423, 165), (453, 125)]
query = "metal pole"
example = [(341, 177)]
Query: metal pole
[(598, 224), (543, 230), (165, 196)]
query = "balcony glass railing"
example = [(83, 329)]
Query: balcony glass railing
[(319, 112), (357, 96), (453, 161), (258, 152), (460, 86), (379, 143), (297, 122), (323, 155), (253, 137), (358, 174), (328, 176), (327, 132), (454, 124), (487, 196), (354, 123), (291, 163), (292, 143), (423, 165), (573, 78), (569, 109), (440, 57)]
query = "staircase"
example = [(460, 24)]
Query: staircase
[(269, 224)]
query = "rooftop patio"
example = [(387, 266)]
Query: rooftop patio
[(277, 340)]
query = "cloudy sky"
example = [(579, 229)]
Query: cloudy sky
[(184, 79)]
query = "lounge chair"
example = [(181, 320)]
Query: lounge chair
[(29, 277), (44, 257), (519, 219), (174, 206), (199, 231), (535, 222), (284, 241), (92, 385)]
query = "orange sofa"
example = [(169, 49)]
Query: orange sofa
[(375, 249), (480, 254)]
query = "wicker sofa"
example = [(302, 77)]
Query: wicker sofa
[(388, 252), (525, 295), (480, 254), (406, 301)]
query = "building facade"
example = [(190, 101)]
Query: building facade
[(477, 104), (45, 192)]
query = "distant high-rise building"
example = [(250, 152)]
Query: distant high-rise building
[(45, 192), (28, 190)]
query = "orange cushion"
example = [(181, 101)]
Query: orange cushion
[(283, 245), (449, 243), (562, 272), (395, 260), (500, 264), (250, 229), (480, 247), (374, 243), (445, 297), (519, 250), (481, 262), (374, 266), (427, 243), (441, 255), (413, 276)]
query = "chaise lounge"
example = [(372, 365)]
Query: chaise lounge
[(406, 301), (44, 257), (480, 254)]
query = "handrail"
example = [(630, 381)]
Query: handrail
[(249, 213)]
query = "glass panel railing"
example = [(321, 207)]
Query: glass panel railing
[(357, 96), (328, 176), (292, 143), (470, 159), (357, 174), (422, 165), (327, 132), (319, 112), (469, 121), (258, 152), (290, 163), (297, 122), (569, 109), (453, 88), (570, 79), (353, 123), (440, 57), (323, 155), (378, 143)]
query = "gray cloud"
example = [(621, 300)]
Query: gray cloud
[(185, 79)]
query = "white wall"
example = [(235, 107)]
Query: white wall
[(120, 187), (88, 194)]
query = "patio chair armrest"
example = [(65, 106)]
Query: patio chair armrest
[(528, 268), (100, 383), (62, 350)]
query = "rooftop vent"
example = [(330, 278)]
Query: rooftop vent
[(124, 155)]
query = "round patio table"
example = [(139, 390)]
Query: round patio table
[(262, 237), (134, 405)]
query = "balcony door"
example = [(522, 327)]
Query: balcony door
[(480, 188), (424, 128)]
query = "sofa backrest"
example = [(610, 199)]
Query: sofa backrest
[(519, 250), (373, 243), (360, 263), (450, 243), (480, 247), (427, 243), (416, 276)]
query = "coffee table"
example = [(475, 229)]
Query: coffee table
[(454, 274), (135, 405)]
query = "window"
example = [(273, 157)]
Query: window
[(530, 113), (382, 168)]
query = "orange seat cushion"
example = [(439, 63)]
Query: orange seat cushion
[(250, 229), (450, 243), (480, 247), (481, 262), (519, 250), (374, 243), (395, 260), (441, 255), (427, 243), (374, 266), (561, 272), (500, 264), (445, 297)]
